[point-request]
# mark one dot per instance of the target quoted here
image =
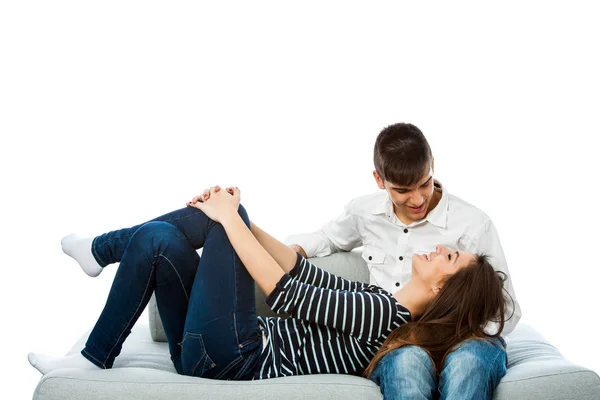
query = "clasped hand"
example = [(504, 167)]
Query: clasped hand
[(217, 204)]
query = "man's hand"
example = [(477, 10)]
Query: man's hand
[(298, 249), (217, 205)]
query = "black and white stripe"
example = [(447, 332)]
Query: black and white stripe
[(335, 325)]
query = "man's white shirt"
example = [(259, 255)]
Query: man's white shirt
[(389, 244)]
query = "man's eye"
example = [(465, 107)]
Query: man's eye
[(449, 257)]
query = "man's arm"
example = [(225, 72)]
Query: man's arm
[(487, 241), (340, 234)]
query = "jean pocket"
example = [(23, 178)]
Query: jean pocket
[(194, 358)]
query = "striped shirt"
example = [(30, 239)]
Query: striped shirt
[(335, 327)]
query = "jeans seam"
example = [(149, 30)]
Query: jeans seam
[(88, 353), (493, 362), (237, 338), (246, 367), (96, 255), (128, 322), (178, 276), (229, 367)]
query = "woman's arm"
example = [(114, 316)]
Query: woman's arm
[(222, 207), (283, 255), (263, 268), (304, 271)]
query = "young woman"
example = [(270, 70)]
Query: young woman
[(207, 304)]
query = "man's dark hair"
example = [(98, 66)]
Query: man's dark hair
[(402, 155)]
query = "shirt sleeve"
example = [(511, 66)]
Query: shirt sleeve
[(362, 315), (487, 242), (306, 272), (340, 234)]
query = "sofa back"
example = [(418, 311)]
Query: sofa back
[(349, 265)]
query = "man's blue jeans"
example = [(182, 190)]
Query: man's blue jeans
[(206, 304), (471, 372)]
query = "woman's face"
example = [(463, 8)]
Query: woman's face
[(431, 268)]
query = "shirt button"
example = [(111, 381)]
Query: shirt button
[(397, 283), (405, 230), (370, 258), (401, 258)]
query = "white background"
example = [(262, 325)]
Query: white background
[(114, 112)]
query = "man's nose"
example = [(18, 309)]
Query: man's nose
[(417, 199), (439, 249)]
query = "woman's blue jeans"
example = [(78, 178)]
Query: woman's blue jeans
[(206, 304), (471, 372)]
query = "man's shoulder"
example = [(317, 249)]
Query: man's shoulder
[(367, 204), (461, 210)]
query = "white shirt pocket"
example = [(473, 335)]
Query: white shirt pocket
[(375, 260), (373, 257)]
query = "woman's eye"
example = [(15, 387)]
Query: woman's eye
[(449, 257)]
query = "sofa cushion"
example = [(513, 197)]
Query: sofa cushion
[(144, 370)]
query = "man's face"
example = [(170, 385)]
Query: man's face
[(410, 202)]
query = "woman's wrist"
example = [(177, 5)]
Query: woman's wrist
[(229, 218)]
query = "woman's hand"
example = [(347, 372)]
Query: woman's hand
[(216, 204), (206, 195)]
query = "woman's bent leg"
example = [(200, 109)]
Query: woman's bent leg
[(158, 258), (473, 370), (221, 335), (406, 373), (108, 248)]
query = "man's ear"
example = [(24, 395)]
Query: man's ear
[(378, 180)]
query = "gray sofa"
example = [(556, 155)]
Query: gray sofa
[(144, 370)]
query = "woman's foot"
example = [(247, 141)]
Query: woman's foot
[(45, 363), (81, 250)]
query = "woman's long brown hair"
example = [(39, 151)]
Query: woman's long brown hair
[(468, 300)]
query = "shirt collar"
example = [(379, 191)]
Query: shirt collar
[(438, 216), (383, 206)]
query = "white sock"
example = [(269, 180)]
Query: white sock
[(45, 363), (81, 250)]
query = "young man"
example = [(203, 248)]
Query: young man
[(413, 215)]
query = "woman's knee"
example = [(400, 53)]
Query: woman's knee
[(407, 358), (156, 235), (475, 357), (156, 230)]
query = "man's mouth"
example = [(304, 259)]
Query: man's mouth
[(417, 209)]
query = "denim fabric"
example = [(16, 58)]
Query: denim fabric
[(212, 329), (472, 371)]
